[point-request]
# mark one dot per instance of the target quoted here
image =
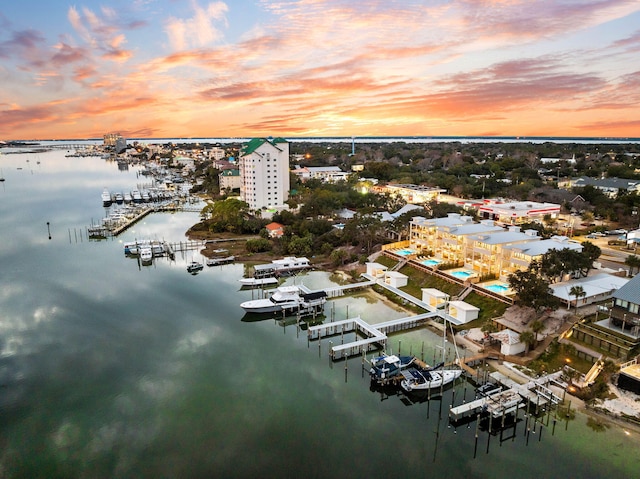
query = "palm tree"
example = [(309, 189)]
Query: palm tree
[(577, 292), (529, 340), (633, 262), (536, 326)]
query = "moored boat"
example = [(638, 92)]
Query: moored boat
[(388, 366), (258, 281), (106, 198), (146, 255), (425, 379), (285, 298), (219, 261)]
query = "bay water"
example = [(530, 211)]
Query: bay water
[(113, 369)]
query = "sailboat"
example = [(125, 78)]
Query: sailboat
[(430, 378)]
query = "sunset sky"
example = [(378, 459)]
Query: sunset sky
[(192, 68)]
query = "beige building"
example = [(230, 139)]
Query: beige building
[(482, 247), (230, 179)]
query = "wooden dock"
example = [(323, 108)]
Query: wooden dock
[(497, 404)]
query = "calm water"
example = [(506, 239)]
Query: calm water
[(108, 369)]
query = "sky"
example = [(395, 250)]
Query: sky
[(296, 68)]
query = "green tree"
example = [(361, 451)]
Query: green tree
[(537, 326), (258, 245), (633, 262), (529, 340), (531, 290)]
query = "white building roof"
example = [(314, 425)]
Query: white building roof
[(435, 293), (452, 219), (505, 237), (506, 336), (601, 283), (538, 248), (461, 305), (470, 229)]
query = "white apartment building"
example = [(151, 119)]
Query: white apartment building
[(264, 173), (217, 153)]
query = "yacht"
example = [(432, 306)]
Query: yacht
[(285, 298), (106, 198)]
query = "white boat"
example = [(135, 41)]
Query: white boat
[(146, 255), (128, 198), (258, 281), (218, 261), (119, 198), (137, 197), (106, 198), (285, 298), (425, 379), (194, 267)]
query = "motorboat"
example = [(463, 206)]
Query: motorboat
[(137, 197), (285, 298), (194, 267), (106, 198), (258, 281), (425, 379), (220, 260), (146, 255), (119, 198), (388, 366)]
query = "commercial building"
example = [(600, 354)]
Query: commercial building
[(327, 174), (415, 194), (264, 173)]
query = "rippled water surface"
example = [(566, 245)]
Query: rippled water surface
[(111, 369)]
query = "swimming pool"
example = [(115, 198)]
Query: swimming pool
[(462, 274), (404, 252), (498, 288), (431, 262)]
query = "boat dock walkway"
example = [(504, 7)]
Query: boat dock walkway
[(496, 404), (376, 335), (340, 290)]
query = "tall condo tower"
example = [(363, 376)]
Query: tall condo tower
[(264, 173)]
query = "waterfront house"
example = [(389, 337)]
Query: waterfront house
[(618, 334)]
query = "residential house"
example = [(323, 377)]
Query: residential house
[(275, 230), (609, 186)]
